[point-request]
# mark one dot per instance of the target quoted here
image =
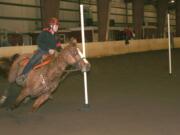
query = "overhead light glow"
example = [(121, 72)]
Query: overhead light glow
[(172, 1)]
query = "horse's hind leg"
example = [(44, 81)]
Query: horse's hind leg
[(4, 95), (39, 101), (24, 93)]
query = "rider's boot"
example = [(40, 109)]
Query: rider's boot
[(21, 79)]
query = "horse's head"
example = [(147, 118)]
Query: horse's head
[(73, 56)]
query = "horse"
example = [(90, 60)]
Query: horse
[(42, 82)]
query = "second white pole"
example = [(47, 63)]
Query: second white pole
[(169, 44)]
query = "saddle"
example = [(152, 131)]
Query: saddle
[(46, 59)]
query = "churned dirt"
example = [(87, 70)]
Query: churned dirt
[(129, 94)]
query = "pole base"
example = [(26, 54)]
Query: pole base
[(85, 108)]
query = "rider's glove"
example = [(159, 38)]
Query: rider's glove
[(51, 51)]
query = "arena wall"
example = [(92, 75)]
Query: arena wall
[(25, 15), (100, 49)]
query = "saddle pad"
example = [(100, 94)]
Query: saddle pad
[(43, 63), (46, 61)]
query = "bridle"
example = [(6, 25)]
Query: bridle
[(82, 58)]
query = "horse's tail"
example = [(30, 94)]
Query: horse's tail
[(6, 63)]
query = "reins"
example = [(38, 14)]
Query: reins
[(67, 71), (71, 70)]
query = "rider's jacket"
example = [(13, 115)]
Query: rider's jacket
[(46, 41)]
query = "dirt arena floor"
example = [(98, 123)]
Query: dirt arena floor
[(129, 94)]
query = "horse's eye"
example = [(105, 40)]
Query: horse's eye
[(76, 52)]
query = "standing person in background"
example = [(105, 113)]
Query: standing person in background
[(47, 44), (128, 35)]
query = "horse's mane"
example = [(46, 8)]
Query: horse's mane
[(72, 43)]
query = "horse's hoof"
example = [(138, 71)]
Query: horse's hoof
[(33, 110), (12, 107), (51, 97), (26, 100), (2, 99), (9, 109)]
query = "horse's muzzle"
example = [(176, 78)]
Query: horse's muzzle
[(86, 68)]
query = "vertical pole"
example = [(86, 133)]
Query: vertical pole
[(84, 54), (169, 44)]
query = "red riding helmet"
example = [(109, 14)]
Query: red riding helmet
[(53, 21)]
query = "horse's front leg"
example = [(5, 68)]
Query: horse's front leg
[(39, 101), (24, 93)]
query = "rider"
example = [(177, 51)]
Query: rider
[(47, 44)]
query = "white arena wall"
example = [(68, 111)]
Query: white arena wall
[(100, 49)]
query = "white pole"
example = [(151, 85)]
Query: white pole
[(84, 53), (169, 43)]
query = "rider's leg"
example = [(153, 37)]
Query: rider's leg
[(33, 61)]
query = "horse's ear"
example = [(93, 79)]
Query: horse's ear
[(73, 41)]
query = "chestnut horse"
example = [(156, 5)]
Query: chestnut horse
[(41, 82)]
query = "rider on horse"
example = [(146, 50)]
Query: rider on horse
[(47, 44)]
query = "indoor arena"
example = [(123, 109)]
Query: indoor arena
[(89, 67)]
